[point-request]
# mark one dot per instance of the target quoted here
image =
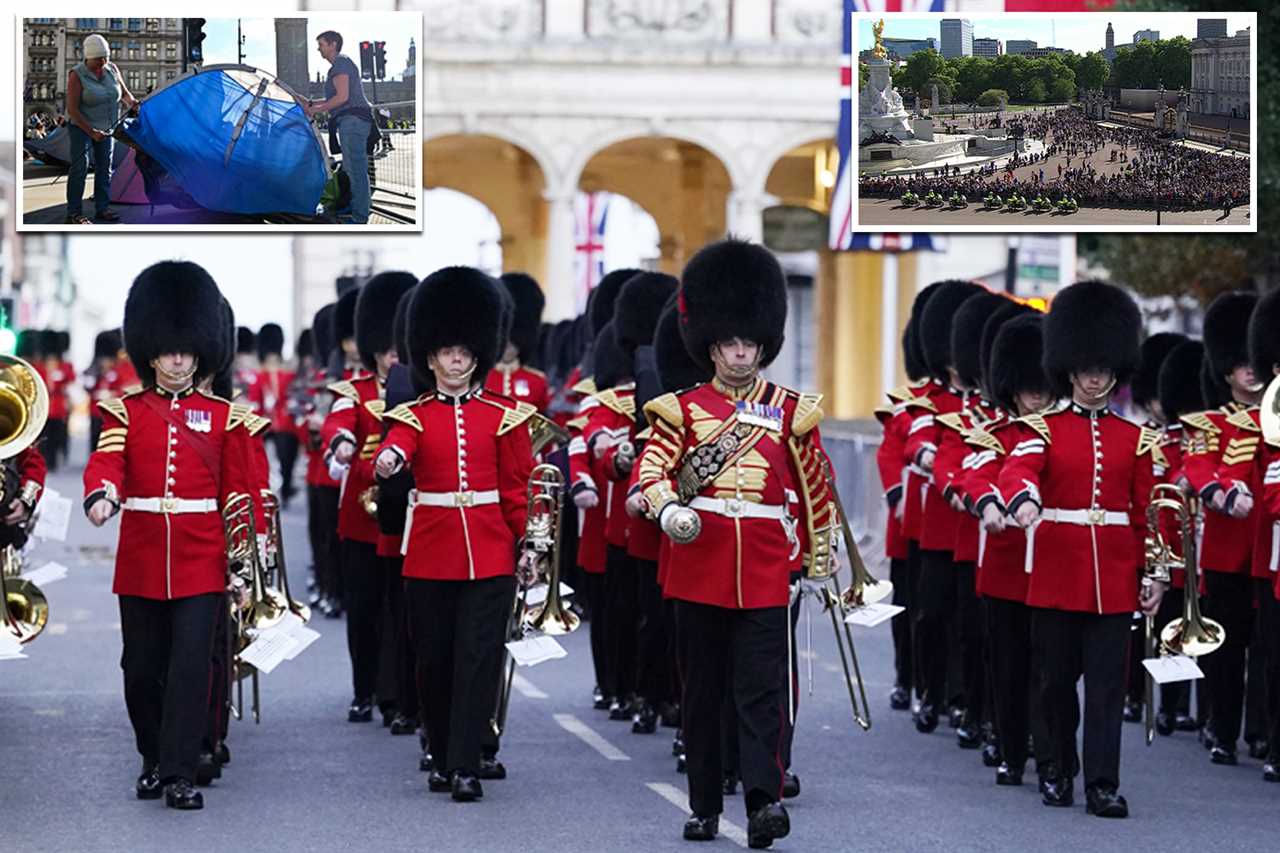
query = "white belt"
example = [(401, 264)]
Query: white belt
[(171, 505), (734, 508), (1086, 517), (454, 499)]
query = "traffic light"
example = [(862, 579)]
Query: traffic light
[(366, 60), (192, 38), (380, 59)]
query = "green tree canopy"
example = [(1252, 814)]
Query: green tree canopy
[(1092, 71)]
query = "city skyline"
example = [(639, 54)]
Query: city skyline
[(260, 39), (1080, 32)]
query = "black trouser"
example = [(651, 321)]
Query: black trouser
[(912, 615), (1175, 696), (1136, 673), (1015, 684), (653, 665), (1269, 636), (621, 637), (599, 630), (55, 440), (1257, 716), (286, 444), (1066, 646), (945, 595), (317, 535), (365, 582), (406, 658), (458, 630), (219, 675), (899, 575), (390, 687), (167, 648), (790, 682), (741, 653), (1229, 601), (329, 566)]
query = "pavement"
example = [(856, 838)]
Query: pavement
[(305, 779), (890, 211)]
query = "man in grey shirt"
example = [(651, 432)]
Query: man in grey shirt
[(348, 109)]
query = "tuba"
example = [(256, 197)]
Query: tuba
[(24, 408), (1270, 413)]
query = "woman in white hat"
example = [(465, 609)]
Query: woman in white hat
[(94, 92)]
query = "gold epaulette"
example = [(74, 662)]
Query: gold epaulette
[(808, 414), (405, 415), (1037, 423), (952, 420), (116, 408), (610, 399), (980, 438), (512, 418), (1148, 441), (644, 434), (665, 408), (1244, 420), (345, 389), (1200, 421), (256, 424), (376, 408), (902, 392), (238, 415), (586, 386), (921, 402), (577, 423), (883, 413)]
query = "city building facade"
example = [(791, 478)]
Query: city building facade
[(956, 37)]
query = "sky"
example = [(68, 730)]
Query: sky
[(260, 39), (1081, 32)]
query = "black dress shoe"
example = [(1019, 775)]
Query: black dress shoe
[(222, 754), (1222, 755), (492, 768), (926, 719), (1105, 802), (955, 716), (645, 721), (179, 794), (618, 711), (361, 711), (599, 701), (900, 699), (402, 725), (207, 769), (1258, 748), (699, 828), (1164, 724), (729, 784), (677, 745), (766, 824), (1132, 711), (426, 762), (968, 736), (1057, 792), (148, 786), (790, 786), (991, 755), (1270, 772), (439, 783), (466, 788), (1006, 775), (680, 763), (670, 715), (1207, 739), (389, 715), (1185, 723)]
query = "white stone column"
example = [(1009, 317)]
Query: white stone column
[(564, 19), (744, 214), (559, 283)]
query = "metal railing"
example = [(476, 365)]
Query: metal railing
[(852, 447)]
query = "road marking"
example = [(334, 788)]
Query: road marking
[(588, 735), (677, 798), (56, 629), (526, 688), (50, 712)]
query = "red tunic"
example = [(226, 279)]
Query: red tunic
[(471, 444), (356, 417), (644, 537), (1226, 541), (1270, 509), (1001, 556), (1087, 464), (920, 411), (739, 561), (268, 395), (895, 421), (591, 543), (520, 383), (612, 425), (31, 473), (1241, 471), (140, 455), (939, 522)]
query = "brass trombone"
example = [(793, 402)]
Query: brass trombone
[(275, 557)]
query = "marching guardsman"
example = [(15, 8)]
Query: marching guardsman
[(97, 378), (322, 489), (58, 376), (732, 472), (269, 397), (936, 588), (245, 373), (1078, 481), (1018, 385), (512, 376), (1219, 438), (1179, 394), (471, 458), (351, 435), (169, 456)]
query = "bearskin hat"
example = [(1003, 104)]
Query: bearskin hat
[(640, 304), (911, 338), (1005, 312), (1264, 337), (270, 340), (61, 342), (1146, 381), (454, 306), (400, 325), (1016, 353), (529, 302), (1178, 381), (966, 335), (506, 318), (246, 341), (1214, 388), (222, 384), (375, 311), (911, 363), (733, 289), (47, 343), (107, 344), (322, 342), (28, 344), (174, 306), (934, 329), (1091, 324), (1226, 330), (610, 365), (303, 347), (676, 368), (344, 316), (604, 295)]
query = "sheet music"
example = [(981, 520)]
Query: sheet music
[(871, 615), (53, 517), (532, 651), (46, 574), (538, 594), (268, 651), (10, 648), (1170, 668)]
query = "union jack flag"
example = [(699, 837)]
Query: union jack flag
[(590, 214), (840, 235)]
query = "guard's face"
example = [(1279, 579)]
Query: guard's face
[(1242, 379), (1095, 382), (736, 357), (385, 360), (349, 349), (1030, 402), (452, 364), (175, 366)]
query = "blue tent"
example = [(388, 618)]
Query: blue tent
[(235, 139)]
